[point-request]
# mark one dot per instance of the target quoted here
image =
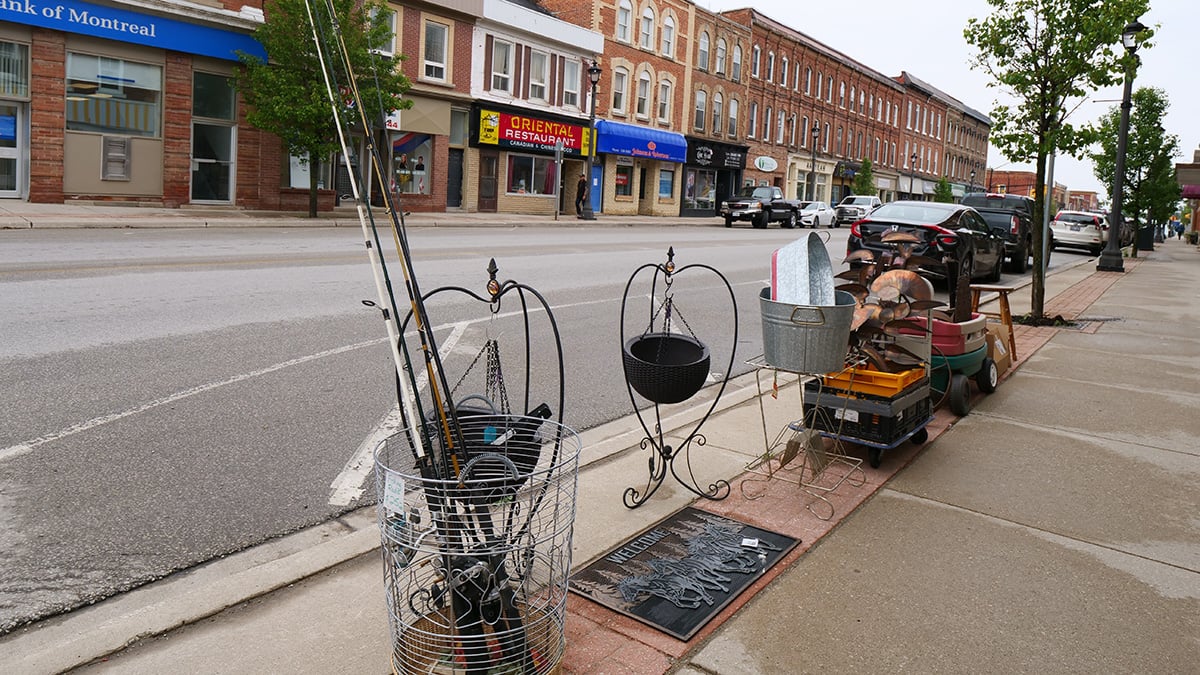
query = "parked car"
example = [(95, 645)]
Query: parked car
[(1079, 229), (816, 214), (760, 205), (952, 234), (1014, 215), (853, 207)]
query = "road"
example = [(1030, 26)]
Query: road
[(172, 396)]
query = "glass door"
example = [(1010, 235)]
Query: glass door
[(12, 137)]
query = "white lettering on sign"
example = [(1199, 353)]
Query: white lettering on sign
[(86, 18), (83, 17)]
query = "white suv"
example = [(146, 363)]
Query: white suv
[(1079, 229), (855, 207)]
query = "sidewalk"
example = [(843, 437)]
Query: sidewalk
[(1052, 529)]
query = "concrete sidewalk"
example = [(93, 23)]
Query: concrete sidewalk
[(1053, 529)]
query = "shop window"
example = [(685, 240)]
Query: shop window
[(412, 162), (113, 96), (528, 175), (435, 50), (623, 180), (666, 183), (14, 69), (700, 191)]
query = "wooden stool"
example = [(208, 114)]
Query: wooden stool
[(1005, 314)]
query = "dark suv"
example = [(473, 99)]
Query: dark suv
[(1014, 215)]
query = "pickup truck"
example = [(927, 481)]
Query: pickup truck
[(760, 205), (854, 207), (1013, 216)]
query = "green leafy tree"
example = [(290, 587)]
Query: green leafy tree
[(943, 192), (864, 180), (1151, 192), (1048, 56), (287, 95)]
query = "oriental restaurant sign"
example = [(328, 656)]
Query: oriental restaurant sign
[(522, 132)]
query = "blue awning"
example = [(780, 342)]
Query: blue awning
[(618, 138)]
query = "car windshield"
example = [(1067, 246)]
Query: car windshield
[(809, 206), (856, 201), (1085, 218), (913, 212), (750, 192)]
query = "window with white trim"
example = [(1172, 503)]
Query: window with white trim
[(701, 109), (829, 89), (702, 55), (664, 101), (620, 82), (804, 136), (570, 80), (388, 18), (539, 70), (720, 65), (755, 57), (624, 16), (841, 94), (770, 66), (434, 51), (853, 102), (766, 124), (646, 35), (643, 95), (735, 72), (501, 65), (783, 72), (732, 127), (718, 113), (113, 96), (752, 132), (780, 120), (668, 36), (819, 81)]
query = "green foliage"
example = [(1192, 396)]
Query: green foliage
[(1048, 56), (943, 192), (1151, 193), (864, 180), (288, 96)]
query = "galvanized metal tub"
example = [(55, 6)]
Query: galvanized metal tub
[(806, 338)]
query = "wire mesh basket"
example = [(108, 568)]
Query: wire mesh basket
[(476, 564)]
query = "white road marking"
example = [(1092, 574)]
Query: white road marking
[(349, 484), (28, 446)]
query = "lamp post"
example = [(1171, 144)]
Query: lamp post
[(912, 178), (812, 178), (971, 187), (1110, 260), (593, 72)]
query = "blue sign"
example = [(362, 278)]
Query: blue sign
[(8, 127), (122, 25), (618, 138)]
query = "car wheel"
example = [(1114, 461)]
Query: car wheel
[(791, 220), (729, 222)]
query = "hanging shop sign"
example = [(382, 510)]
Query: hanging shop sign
[(715, 155), (765, 163), (525, 132)]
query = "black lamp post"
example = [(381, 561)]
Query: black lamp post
[(812, 178), (912, 179), (1110, 260), (593, 72), (971, 187)]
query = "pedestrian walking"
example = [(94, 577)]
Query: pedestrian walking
[(580, 194)]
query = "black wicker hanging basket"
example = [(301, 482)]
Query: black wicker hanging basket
[(666, 367)]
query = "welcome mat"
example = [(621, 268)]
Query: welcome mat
[(678, 574)]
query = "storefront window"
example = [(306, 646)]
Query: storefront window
[(623, 180), (529, 175), (412, 162), (666, 183), (701, 189), (113, 96)]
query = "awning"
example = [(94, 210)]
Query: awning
[(618, 138), (1191, 192)]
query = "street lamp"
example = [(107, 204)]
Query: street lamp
[(593, 72), (812, 179), (971, 188), (912, 179), (1110, 260)]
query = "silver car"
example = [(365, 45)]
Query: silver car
[(1079, 229), (816, 214)]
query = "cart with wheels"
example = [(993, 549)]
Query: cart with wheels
[(950, 376), (879, 423)]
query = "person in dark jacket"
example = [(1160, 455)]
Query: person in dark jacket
[(580, 194)]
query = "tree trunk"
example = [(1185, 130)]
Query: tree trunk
[(1037, 298), (314, 166)]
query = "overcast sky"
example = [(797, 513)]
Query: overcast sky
[(926, 39)]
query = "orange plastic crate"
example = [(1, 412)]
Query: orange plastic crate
[(873, 382)]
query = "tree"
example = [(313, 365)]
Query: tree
[(943, 192), (864, 180), (1150, 186), (287, 95), (1049, 56)]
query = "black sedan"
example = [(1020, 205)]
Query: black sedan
[(953, 234)]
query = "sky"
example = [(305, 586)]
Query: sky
[(926, 39)]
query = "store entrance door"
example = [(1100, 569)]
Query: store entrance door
[(12, 149), (489, 163)]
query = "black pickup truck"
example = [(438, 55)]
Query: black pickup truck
[(760, 205), (1013, 215)]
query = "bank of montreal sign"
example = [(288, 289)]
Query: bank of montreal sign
[(122, 25)]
